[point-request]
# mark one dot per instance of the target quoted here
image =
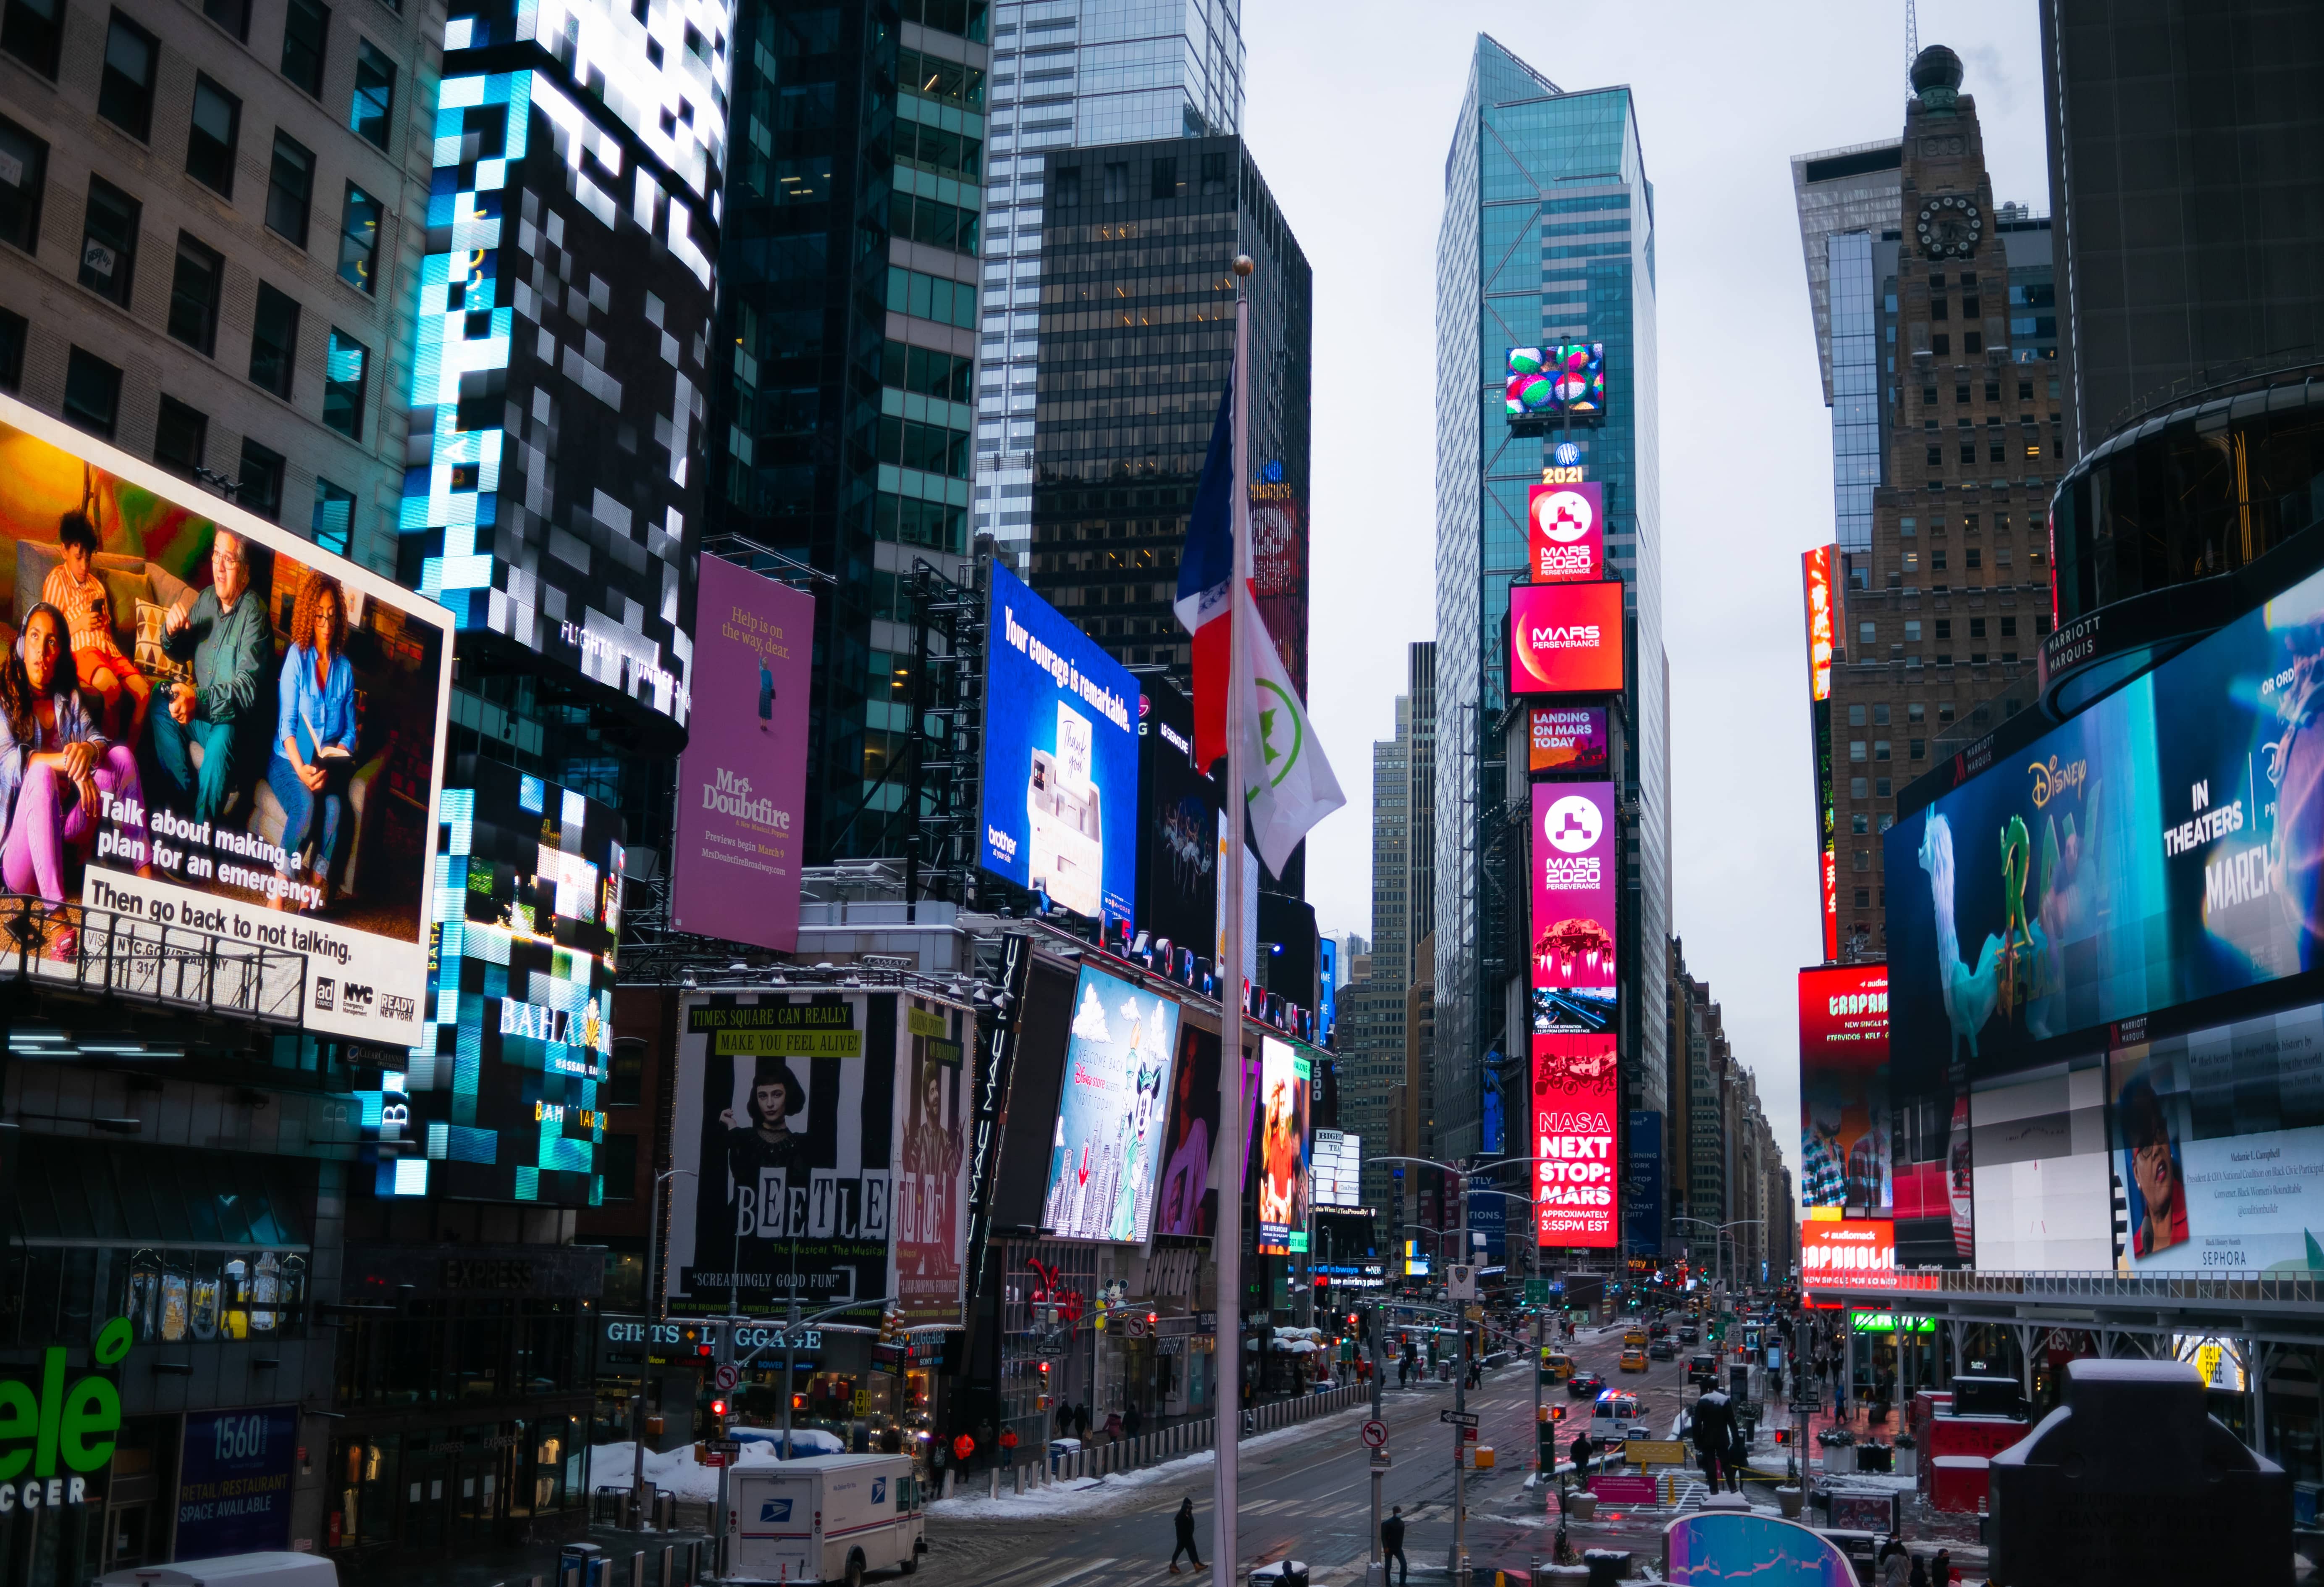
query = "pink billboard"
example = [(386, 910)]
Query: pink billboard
[(741, 782), (1566, 531), (1576, 876)]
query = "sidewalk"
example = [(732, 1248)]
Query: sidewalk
[(519, 1565)]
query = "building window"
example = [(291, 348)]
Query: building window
[(108, 240), (359, 240), (1972, 342), (626, 1088), (1215, 173), (333, 525), (1066, 184), (23, 177), (1861, 858), (939, 226), (1856, 788), (216, 133), (194, 295), (1977, 628), (1868, 635), (30, 30), (1855, 716), (1162, 179), (2009, 628), (1117, 181), (1859, 824), (1856, 749), (1976, 557), (375, 94), (1880, 749), (1880, 787), (1880, 715), (179, 436), (1941, 345), (1863, 898), (233, 15), (1936, 456), (1911, 631), (261, 480), (1920, 748), (1944, 628), (275, 344), (343, 383), (291, 188), (14, 331), (620, 1167), (92, 392), (124, 93), (305, 27)]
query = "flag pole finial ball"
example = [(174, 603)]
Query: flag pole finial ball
[(1244, 265)]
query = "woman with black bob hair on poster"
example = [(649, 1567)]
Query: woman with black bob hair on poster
[(768, 1140)]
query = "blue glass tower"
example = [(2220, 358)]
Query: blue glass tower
[(1548, 235)]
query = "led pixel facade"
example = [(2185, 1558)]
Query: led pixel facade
[(559, 376)]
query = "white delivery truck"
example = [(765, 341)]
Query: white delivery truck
[(829, 1518), (239, 1570)]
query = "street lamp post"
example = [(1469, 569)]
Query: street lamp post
[(653, 1309), (1719, 1232)]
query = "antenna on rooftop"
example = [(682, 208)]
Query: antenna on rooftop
[(1912, 38)]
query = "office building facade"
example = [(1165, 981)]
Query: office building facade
[(1848, 201), (1548, 235), (1073, 74)]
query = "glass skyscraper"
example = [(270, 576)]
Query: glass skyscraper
[(1073, 74), (1848, 198), (1548, 235)]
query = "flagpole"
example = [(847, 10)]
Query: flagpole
[(1227, 1330)]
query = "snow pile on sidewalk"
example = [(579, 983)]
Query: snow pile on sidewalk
[(1116, 1491), (675, 1472)]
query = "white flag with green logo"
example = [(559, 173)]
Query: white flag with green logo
[(1289, 783)]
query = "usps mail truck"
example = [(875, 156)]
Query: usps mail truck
[(829, 1518)]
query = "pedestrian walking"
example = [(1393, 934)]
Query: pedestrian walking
[(1113, 1426), (1392, 1547), (1894, 1566), (1081, 1421), (1714, 1431), (1920, 1577), (1132, 1420), (1941, 1574), (1065, 1419), (1184, 1521)]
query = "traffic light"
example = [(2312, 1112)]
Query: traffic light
[(718, 1417), (888, 1327)]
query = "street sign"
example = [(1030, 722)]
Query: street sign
[(727, 1376), (1536, 1292), (1374, 1435), (714, 1458), (724, 1446), (1380, 1459), (1459, 1281), (1458, 1418)]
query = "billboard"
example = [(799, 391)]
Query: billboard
[(1577, 875), (1560, 379), (741, 780), (1285, 1078), (933, 1109), (1566, 639), (212, 768), (1566, 532), (1187, 1203), (787, 1113), (1029, 1112), (1339, 1168), (1815, 571), (1576, 1090), (234, 1481), (518, 1029), (1566, 738), (1179, 823), (2164, 845), (1278, 571), (1854, 1253), (1111, 1110), (1822, 598), (2218, 1142), (1845, 1125), (1060, 759), (1641, 1183), (2042, 1198)]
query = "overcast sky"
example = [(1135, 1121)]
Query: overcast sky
[(1349, 111)]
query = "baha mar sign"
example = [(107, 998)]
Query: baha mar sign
[(56, 1439)]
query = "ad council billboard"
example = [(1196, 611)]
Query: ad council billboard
[(1576, 879), (1112, 1112), (1566, 738), (1845, 1124), (1566, 639), (223, 727), (1060, 759), (824, 1131), (2164, 845), (1575, 1092), (1285, 1075), (742, 781), (1566, 532)]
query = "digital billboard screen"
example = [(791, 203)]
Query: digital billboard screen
[(2042, 1197), (1339, 1168), (1566, 639), (1855, 1253), (1815, 572), (1187, 1203), (1178, 837), (1642, 1183), (1576, 1090), (1566, 532), (934, 1103), (1846, 1128), (741, 780), (1559, 379), (2164, 845), (1577, 875), (1284, 1079), (1060, 759), (1566, 738), (223, 727), (2218, 1142), (1112, 1112), (518, 1029)]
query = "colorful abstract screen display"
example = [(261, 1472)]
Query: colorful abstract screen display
[(1560, 379), (1113, 1112), (1845, 1126), (1285, 1078)]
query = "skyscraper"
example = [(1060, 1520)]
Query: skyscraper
[(841, 419), (1074, 75), (1848, 201), (1547, 236)]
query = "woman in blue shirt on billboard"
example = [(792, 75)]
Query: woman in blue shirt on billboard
[(315, 738)]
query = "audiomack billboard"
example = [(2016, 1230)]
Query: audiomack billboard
[(1566, 639), (1859, 1253), (1576, 878), (1576, 1089), (734, 869), (1566, 531), (216, 725)]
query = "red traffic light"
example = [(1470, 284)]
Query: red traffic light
[(717, 1408)]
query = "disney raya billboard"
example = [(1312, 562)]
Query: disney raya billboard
[(826, 1135), (1113, 1114), (2166, 846)]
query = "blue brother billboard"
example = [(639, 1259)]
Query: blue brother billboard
[(1060, 759)]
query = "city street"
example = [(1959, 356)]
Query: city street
[(1307, 1494)]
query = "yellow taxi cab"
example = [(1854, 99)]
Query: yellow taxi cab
[(1557, 1365), (1634, 1359), (1635, 1339)]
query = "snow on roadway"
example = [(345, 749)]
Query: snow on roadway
[(1117, 1490), (675, 1471)]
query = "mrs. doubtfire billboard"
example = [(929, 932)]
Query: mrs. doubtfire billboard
[(1060, 759)]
